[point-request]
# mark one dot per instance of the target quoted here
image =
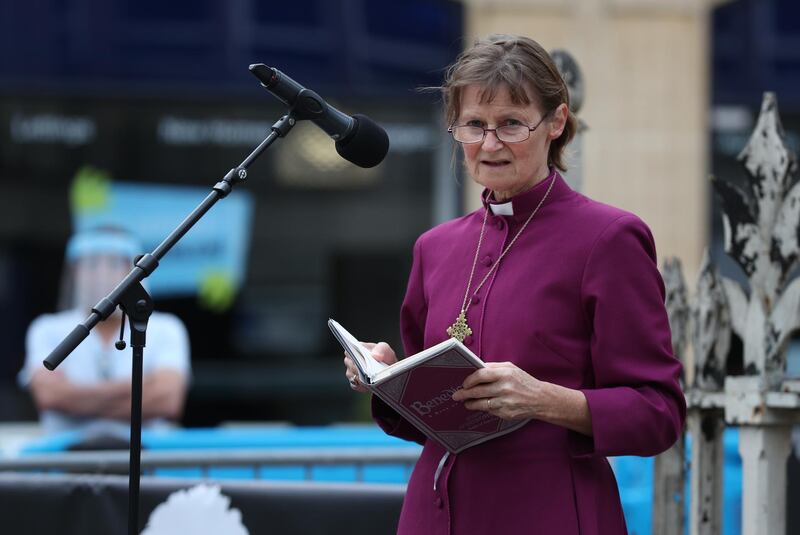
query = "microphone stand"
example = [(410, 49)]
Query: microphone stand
[(137, 304)]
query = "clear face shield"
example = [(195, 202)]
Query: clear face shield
[(95, 276), (96, 263)]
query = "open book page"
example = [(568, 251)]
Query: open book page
[(432, 352), (362, 357)]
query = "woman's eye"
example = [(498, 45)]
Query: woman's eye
[(474, 122), (512, 122)]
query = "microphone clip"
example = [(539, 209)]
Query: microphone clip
[(283, 125)]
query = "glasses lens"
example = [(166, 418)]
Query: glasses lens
[(468, 134), (513, 133)]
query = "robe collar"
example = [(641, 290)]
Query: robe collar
[(520, 206)]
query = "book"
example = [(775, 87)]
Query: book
[(420, 388)]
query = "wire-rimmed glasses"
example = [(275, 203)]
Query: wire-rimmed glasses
[(509, 133)]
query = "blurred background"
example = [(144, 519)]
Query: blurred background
[(129, 111)]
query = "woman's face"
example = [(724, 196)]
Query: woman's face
[(507, 168), (96, 275)]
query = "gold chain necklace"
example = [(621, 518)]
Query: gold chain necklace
[(460, 330)]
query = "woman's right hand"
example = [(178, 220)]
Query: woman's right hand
[(381, 352)]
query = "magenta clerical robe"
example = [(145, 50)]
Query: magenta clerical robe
[(577, 301)]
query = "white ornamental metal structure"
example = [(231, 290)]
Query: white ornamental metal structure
[(762, 235), (668, 468)]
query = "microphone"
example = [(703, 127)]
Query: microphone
[(358, 138)]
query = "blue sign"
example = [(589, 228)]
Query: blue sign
[(209, 261)]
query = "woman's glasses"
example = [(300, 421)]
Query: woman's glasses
[(509, 133)]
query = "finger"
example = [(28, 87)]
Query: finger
[(348, 361), (480, 405), (484, 375), (357, 385), (476, 392), (383, 352), (352, 372), (500, 365), (349, 365)]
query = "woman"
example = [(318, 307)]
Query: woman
[(559, 294)]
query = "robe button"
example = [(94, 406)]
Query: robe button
[(487, 260), (475, 299), (468, 340), (499, 223), (438, 501)]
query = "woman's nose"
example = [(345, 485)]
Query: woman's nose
[(491, 142)]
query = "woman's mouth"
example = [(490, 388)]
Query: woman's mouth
[(495, 163)]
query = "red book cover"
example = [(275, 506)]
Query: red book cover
[(420, 388)]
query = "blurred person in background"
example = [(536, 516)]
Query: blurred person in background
[(90, 391), (562, 298)]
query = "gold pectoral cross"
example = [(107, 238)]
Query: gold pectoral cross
[(459, 330)]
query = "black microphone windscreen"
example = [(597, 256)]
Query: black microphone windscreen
[(366, 145)]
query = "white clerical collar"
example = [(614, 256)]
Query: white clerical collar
[(505, 208)]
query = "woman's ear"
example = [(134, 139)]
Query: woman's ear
[(558, 122)]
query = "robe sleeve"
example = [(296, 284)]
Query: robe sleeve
[(636, 403), (412, 328)]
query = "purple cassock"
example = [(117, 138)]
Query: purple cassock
[(577, 301)]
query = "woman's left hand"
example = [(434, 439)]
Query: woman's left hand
[(504, 390)]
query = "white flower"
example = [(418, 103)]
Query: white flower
[(200, 510)]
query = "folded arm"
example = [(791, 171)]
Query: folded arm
[(163, 395)]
